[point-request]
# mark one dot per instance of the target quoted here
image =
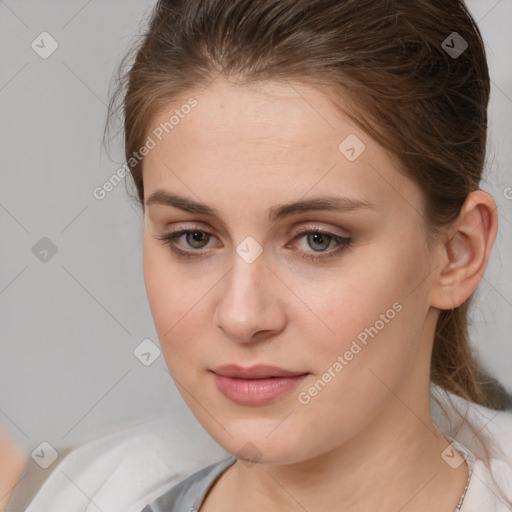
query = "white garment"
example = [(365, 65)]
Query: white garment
[(119, 472), (125, 471), (483, 432)]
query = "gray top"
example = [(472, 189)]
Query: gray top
[(189, 494)]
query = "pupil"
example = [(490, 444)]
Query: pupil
[(197, 237), (318, 238)]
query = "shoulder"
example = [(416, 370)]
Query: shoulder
[(487, 435), (189, 494), (122, 471)]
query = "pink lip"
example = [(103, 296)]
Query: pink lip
[(256, 385)]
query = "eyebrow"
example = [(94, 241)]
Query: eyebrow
[(328, 203)]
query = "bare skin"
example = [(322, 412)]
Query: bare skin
[(12, 462), (366, 441)]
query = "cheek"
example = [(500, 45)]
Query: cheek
[(165, 291), (374, 347), (177, 299), (356, 299), (157, 279), (372, 317)]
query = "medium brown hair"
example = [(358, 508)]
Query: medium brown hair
[(389, 58)]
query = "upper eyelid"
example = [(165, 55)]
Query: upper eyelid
[(298, 231), (303, 231)]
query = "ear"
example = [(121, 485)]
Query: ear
[(465, 251)]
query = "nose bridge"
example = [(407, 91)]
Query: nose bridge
[(247, 304), (244, 288)]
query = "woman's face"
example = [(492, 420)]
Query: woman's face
[(354, 323)]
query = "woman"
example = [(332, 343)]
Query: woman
[(313, 234)]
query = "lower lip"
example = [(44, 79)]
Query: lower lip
[(256, 391)]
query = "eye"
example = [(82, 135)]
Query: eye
[(317, 239), (194, 237), (320, 240)]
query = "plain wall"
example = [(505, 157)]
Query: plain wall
[(69, 325)]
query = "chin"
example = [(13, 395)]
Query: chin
[(255, 445)]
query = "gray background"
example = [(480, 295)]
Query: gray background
[(69, 325)]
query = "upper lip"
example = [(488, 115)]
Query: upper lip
[(259, 371)]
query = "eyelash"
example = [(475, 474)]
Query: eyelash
[(343, 243)]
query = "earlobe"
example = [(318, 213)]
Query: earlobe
[(465, 253)]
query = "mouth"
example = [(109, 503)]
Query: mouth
[(257, 385)]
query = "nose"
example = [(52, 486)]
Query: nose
[(250, 306)]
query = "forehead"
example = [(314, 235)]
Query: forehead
[(281, 138), (277, 115)]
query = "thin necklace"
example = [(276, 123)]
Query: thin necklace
[(459, 504), (469, 459)]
